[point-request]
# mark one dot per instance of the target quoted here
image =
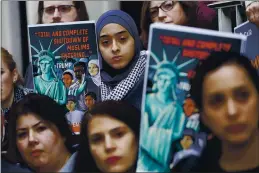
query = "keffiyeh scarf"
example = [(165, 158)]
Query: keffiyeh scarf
[(121, 90)]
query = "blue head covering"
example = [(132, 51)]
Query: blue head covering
[(126, 21)]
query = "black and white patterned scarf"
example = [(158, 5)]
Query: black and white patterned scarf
[(123, 87)]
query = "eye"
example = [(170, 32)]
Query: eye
[(153, 13), (64, 8), (216, 100), (41, 128), (96, 139), (105, 42), (21, 135), (49, 10), (242, 95), (122, 38), (119, 134), (167, 6)]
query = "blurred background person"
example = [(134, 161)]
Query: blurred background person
[(109, 138), (187, 13), (122, 61), (40, 138), (226, 90), (252, 11), (12, 91), (61, 11)]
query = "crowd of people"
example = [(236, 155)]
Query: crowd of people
[(41, 134)]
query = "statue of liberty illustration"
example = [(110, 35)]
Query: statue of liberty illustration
[(47, 82), (163, 121)]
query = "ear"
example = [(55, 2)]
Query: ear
[(15, 75)]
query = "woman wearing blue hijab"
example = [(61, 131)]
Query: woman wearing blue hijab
[(122, 62)]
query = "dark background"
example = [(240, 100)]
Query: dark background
[(133, 8)]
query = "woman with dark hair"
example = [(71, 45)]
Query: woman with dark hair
[(67, 11), (109, 138), (40, 138), (226, 91), (122, 61), (187, 13)]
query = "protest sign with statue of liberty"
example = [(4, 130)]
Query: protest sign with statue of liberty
[(60, 54), (170, 121)]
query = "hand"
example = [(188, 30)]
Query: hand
[(252, 13)]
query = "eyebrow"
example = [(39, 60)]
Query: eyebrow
[(152, 8), (111, 131), (35, 125), (241, 87), (118, 128), (118, 33)]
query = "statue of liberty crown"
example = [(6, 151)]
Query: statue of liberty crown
[(167, 64), (43, 52)]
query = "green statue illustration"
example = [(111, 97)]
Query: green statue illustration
[(163, 121), (47, 83)]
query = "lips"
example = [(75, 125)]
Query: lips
[(112, 160), (36, 153), (237, 128), (116, 58)]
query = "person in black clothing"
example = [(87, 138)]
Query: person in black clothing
[(226, 90)]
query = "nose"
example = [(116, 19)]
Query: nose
[(32, 138), (56, 15), (115, 46), (161, 15), (109, 144), (232, 108)]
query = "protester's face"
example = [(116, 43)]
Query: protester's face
[(66, 12), (71, 105), (116, 45), (230, 104), (93, 69), (113, 144), (89, 101), (186, 142), (45, 66), (189, 107), (67, 80), (8, 78), (39, 142), (172, 12), (79, 71)]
